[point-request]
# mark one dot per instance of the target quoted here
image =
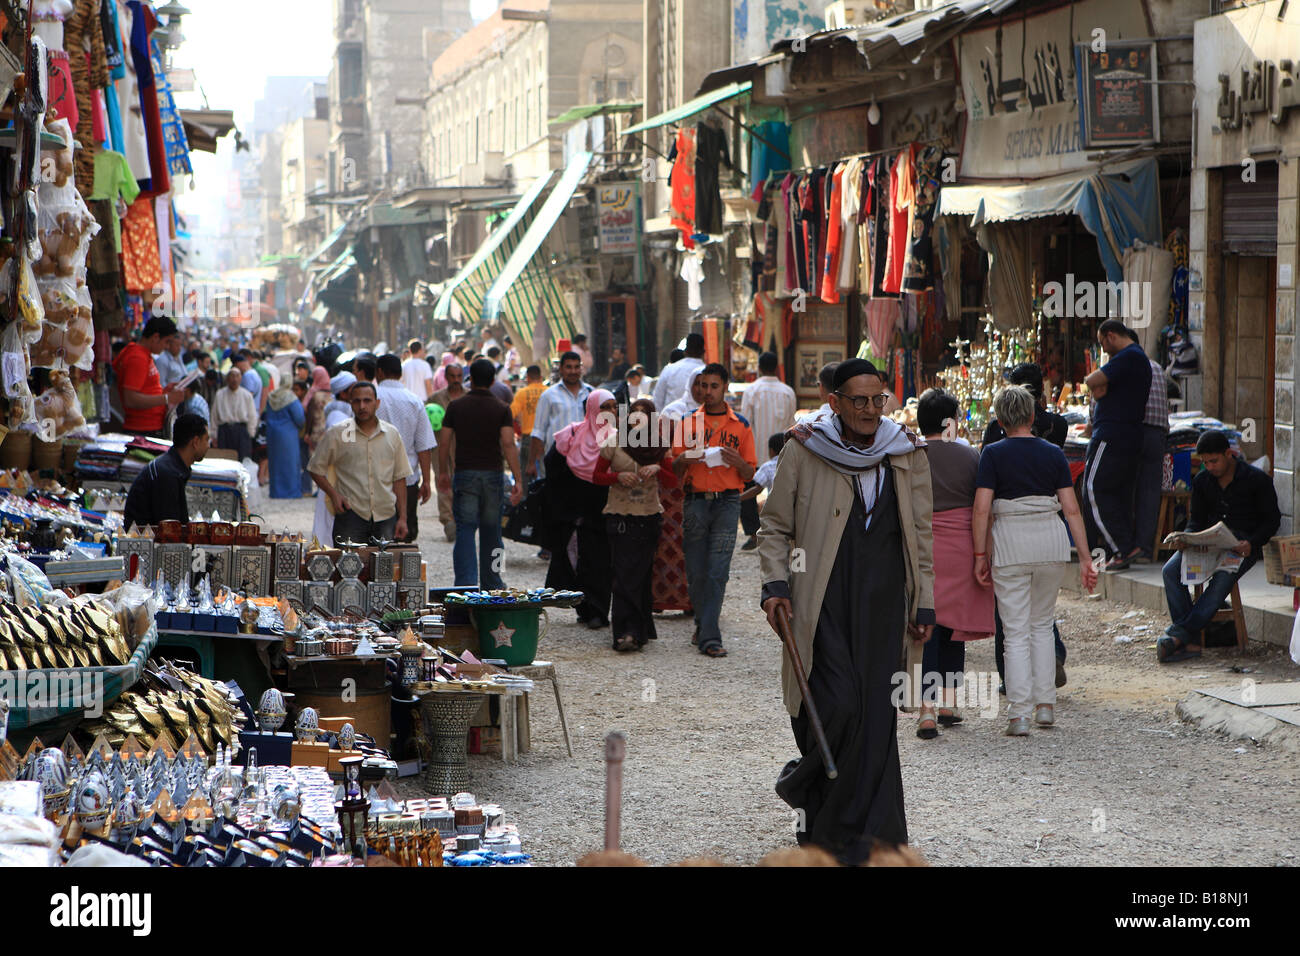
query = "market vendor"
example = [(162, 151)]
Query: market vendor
[(144, 400), (158, 492), (1244, 499)]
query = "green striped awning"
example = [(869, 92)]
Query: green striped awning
[(470, 284), (688, 109), (525, 283)]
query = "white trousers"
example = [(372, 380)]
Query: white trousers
[(1027, 604)]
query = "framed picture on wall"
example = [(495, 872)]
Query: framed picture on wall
[(809, 359)]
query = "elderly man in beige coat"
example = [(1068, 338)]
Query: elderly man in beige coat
[(845, 546)]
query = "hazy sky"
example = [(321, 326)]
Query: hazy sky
[(233, 46)]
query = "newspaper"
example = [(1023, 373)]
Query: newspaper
[(1205, 552)]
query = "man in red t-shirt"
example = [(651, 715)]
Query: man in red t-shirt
[(144, 400)]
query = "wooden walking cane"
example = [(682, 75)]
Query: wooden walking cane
[(615, 751), (783, 628)]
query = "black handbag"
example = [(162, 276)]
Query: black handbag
[(522, 522)]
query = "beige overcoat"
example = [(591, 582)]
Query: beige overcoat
[(802, 523)]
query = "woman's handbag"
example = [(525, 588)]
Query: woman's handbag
[(522, 522)]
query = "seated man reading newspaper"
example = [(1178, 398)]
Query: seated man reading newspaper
[(1234, 513)]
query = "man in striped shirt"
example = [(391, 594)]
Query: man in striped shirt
[(1151, 460)]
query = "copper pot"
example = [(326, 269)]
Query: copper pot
[(340, 646)]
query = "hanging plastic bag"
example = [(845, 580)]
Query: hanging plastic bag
[(58, 410), (14, 367), (28, 583)]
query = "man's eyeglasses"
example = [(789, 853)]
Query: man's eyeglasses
[(860, 401)]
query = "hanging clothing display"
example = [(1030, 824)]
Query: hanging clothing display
[(882, 319), (112, 34), (902, 192), (113, 181), (681, 180), (141, 266), (829, 287), (85, 42), (769, 152), (135, 141), (918, 271), (143, 22), (175, 144), (710, 153), (850, 203)]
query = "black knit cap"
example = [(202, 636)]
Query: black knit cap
[(852, 369)]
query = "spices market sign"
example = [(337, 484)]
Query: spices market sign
[(1022, 121), (1266, 87), (616, 205)]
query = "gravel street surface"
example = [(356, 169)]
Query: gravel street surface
[(1118, 781)]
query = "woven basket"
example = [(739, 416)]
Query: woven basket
[(16, 451), (46, 455)]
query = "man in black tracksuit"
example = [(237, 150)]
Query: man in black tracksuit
[(1121, 387)]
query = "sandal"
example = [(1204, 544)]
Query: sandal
[(714, 650), (925, 727), (948, 716), (1181, 654), (626, 643)]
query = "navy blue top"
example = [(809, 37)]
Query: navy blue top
[(1121, 410), (1016, 467)]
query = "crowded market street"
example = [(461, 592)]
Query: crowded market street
[(1119, 781)]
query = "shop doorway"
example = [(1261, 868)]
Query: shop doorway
[(1247, 306)]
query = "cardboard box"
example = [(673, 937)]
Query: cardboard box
[(310, 755)]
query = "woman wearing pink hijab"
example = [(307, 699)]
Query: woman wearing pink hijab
[(574, 506), (440, 374)]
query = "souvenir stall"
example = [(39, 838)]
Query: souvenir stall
[(849, 264), (133, 775)]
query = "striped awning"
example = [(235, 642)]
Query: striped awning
[(471, 283), (526, 284)]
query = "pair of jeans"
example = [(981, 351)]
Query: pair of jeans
[(1193, 617), (476, 503), (709, 540), (1027, 602), (1150, 480), (350, 526), (1108, 494)]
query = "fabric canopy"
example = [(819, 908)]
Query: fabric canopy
[(324, 246), (593, 109), (1118, 205), (526, 281), (688, 109), (468, 285)]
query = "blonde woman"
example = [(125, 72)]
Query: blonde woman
[(1024, 484)]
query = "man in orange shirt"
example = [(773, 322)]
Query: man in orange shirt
[(714, 455), (144, 401), (524, 410)]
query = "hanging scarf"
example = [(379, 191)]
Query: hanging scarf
[(580, 442), (320, 382), (824, 437)]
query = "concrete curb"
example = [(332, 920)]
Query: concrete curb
[(1242, 723), (1268, 621)]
